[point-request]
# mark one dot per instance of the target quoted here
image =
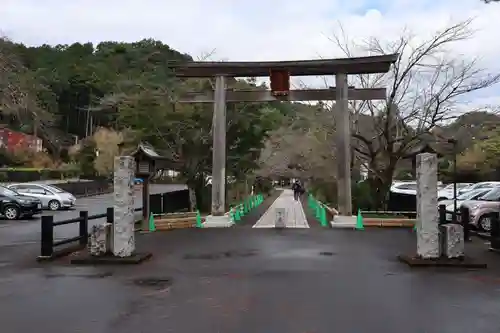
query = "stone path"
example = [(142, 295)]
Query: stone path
[(294, 216)]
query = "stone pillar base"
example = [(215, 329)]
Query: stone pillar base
[(340, 221), (453, 240), (218, 221)]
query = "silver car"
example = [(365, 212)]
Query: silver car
[(51, 196)]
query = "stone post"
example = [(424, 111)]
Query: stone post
[(453, 240), (427, 211), (123, 227)]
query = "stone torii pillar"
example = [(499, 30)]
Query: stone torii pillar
[(343, 143), (219, 148)]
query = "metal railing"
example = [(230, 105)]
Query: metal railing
[(48, 243)]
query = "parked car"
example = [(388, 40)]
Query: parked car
[(481, 209), (447, 192), (13, 205), (406, 187), (478, 186), (471, 195), (52, 197)]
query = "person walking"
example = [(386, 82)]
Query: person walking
[(298, 189)]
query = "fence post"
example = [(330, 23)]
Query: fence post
[(47, 246), (110, 219), (465, 220), (84, 227), (110, 215), (442, 214)]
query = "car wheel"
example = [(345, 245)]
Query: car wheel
[(54, 205), (11, 213), (484, 223), (442, 198)]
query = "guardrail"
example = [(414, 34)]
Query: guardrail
[(48, 244)]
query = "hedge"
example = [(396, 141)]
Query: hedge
[(20, 175)]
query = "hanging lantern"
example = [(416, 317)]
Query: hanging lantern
[(280, 82)]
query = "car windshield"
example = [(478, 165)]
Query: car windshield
[(54, 189), (459, 186), (493, 195), (8, 192), (472, 194)]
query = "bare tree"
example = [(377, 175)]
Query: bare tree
[(301, 148), (425, 87)]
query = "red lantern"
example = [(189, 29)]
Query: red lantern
[(280, 82)]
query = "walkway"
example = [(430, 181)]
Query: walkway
[(294, 214)]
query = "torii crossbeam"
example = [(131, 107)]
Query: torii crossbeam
[(280, 72)]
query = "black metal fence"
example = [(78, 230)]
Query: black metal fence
[(160, 203), (170, 202), (402, 202), (87, 188), (49, 245)]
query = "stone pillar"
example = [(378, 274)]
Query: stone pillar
[(123, 231), (280, 219), (98, 240), (453, 242), (427, 211), (343, 145), (219, 148)]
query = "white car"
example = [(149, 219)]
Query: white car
[(406, 187), (478, 186), (447, 192), (52, 197), (471, 195)]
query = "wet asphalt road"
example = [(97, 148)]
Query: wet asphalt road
[(253, 280), (28, 231)]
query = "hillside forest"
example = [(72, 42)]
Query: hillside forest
[(89, 103)]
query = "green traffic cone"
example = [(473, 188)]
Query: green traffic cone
[(237, 216), (152, 226), (359, 221), (323, 217), (198, 220)]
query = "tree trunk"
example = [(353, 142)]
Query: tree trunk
[(380, 187), (192, 199)]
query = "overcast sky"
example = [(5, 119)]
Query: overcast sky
[(250, 30)]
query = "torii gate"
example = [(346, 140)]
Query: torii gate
[(279, 73)]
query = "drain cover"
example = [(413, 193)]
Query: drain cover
[(159, 283)]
